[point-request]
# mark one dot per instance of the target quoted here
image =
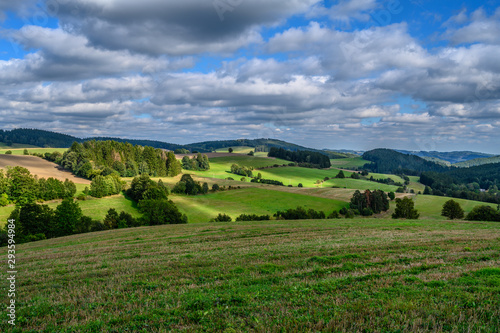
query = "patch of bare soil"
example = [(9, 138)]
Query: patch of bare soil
[(40, 167)]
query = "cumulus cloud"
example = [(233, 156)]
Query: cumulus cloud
[(177, 27), (477, 27)]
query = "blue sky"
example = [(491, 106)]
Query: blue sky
[(348, 74)]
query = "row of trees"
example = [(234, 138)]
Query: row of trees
[(241, 170), (453, 210), (301, 156), (370, 202), (93, 158), (19, 186)]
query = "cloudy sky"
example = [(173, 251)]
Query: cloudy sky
[(353, 74)]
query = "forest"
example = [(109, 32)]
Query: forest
[(303, 157), (92, 158), (390, 161)]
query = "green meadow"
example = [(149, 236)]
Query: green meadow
[(237, 150), (430, 206), (258, 201), (361, 275), (31, 150), (348, 163)]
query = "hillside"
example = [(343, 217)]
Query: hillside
[(391, 161), (290, 276), (451, 157), (478, 161)]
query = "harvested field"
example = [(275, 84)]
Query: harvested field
[(40, 167)]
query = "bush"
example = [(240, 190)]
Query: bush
[(222, 218), (334, 215), (97, 226), (8, 152), (299, 213), (215, 187), (157, 212), (253, 217), (452, 210), (483, 213), (300, 185)]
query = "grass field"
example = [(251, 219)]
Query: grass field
[(284, 276), (31, 150), (359, 184), (237, 150), (348, 163), (249, 201), (430, 206)]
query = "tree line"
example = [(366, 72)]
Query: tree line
[(315, 159), (92, 158), (19, 186)]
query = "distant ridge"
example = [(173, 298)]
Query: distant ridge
[(451, 157), (42, 138)]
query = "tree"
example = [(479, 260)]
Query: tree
[(67, 214), (230, 150), (26, 152), (391, 195), (483, 213), (427, 190), (251, 153), (405, 209), (173, 165), (37, 219), (452, 210), (340, 174), (111, 219), (157, 212)]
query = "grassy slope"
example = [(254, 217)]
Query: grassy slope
[(359, 184), (20, 151), (348, 163), (308, 276), (237, 150), (430, 206), (249, 201)]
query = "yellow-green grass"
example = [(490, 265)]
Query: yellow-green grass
[(261, 154), (220, 166), (430, 206), (348, 163), (258, 201), (295, 175), (20, 151), (358, 184), (93, 207), (415, 184), (281, 276), (237, 150)]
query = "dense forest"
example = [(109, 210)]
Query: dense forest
[(475, 183), (303, 157), (451, 157), (93, 158), (390, 161)]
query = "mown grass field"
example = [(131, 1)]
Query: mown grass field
[(5, 146), (31, 150), (258, 201), (282, 276), (348, 163)]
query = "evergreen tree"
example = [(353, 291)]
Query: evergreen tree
[(405, 209)]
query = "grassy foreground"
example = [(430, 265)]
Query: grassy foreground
[(308, 276)]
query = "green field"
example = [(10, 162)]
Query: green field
[(359, 184), (348, 163), (249, 201), (237, 150), (220, 166), (31, 150), (430, 206), (282, 276)]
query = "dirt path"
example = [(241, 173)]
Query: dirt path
[(40, 167)]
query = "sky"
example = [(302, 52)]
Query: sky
[(346, 74)]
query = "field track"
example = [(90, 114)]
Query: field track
[(40, 167)]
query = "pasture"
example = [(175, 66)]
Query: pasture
[(369, 275)]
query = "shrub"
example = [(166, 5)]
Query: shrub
[(405, 209), (483, 213), (300, 185), (253, 217), (222, 218)]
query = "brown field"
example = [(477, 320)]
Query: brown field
[(40, 167)]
